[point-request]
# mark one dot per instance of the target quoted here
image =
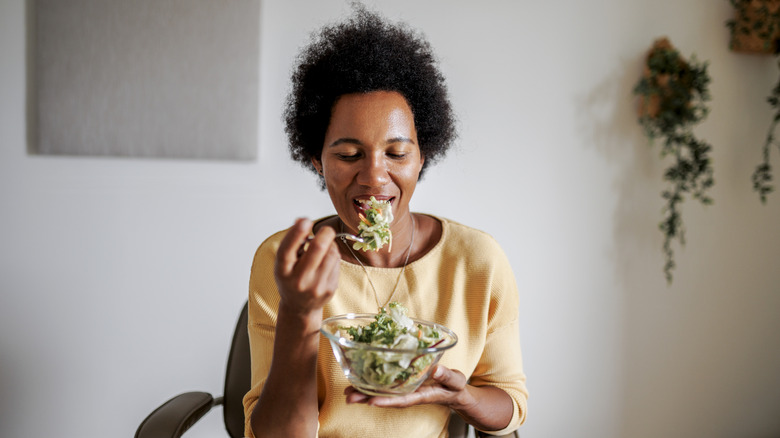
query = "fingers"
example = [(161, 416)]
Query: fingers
[(404, 401), (450, 379), (443, 388), (307, 280), (286, 256), (355, 396), (317, 250), (317, 268)]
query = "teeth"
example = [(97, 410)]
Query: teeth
[(366, 201)]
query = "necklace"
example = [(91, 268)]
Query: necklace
[(397, 280)]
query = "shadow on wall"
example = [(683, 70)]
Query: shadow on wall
[(608, 125), (710, 336)]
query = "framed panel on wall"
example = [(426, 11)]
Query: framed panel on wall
[(146, 78)]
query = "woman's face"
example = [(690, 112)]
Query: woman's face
[(370, 149)]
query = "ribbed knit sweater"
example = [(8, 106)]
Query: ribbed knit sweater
[(465, 282)]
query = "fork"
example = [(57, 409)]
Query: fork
[(343, 236), (347, 236)]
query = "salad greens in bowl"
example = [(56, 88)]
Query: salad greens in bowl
[(387, 353)]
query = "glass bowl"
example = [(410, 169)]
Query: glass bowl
[(383, 370)]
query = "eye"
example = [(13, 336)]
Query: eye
[(397, 155), (348, 156)]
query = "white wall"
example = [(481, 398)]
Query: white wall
[(120, 279)]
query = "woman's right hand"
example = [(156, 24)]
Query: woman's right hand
[(308, 280), (287, 406)]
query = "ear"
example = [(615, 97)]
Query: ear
[(317, 164)]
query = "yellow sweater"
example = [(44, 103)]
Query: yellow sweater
[(465, 283)]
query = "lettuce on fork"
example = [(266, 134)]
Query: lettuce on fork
[(374, 227)]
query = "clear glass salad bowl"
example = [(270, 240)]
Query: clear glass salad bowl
[(396, 368)]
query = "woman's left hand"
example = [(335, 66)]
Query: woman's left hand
[(446, 387), (484, 407)]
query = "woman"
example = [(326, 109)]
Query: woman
[(369, 112)]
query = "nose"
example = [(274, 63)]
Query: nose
[(373, 172)]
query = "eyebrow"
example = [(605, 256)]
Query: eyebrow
[(349, 140)]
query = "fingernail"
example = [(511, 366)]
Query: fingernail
[(438, 373)]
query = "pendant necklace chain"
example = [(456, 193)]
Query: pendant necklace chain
[(403, 269)]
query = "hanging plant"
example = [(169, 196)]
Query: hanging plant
[(755, 28), (672, 95)]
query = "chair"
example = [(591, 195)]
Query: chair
[(178, 414)]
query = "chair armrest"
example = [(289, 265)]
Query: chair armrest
[(457, 428), (175, 416)]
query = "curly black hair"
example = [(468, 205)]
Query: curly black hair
[(366, 53)]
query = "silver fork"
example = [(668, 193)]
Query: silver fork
[(342, 236), (347, 236)]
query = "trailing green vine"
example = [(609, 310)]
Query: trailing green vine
[(762, 177), (673, 95)]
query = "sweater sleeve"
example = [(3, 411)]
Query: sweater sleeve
[(263, 305), (501, 362)]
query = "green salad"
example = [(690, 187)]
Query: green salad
[(374, 227), (394, 329)]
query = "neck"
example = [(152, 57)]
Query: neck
[(402, 229)]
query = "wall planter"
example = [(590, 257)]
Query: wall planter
[(672, 95), (755, 29)]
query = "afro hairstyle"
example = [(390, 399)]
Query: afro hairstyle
[(366, 53)]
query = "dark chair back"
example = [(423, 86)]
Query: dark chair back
[(238, 378)]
